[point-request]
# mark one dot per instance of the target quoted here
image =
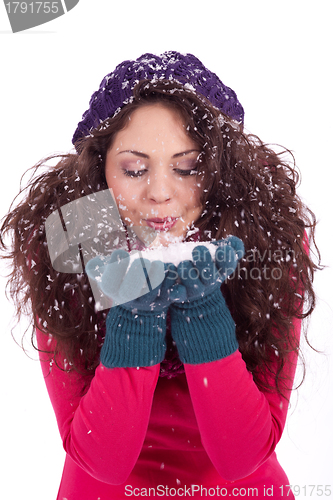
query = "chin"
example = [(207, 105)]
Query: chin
[(166, 238)]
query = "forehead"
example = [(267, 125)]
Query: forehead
[(154, 127)]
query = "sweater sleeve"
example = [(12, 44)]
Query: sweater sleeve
[(239, 424), (103, 426)]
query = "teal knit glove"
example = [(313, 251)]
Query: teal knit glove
[(201, 324), (136, 324)]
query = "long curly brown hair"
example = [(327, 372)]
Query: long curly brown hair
[(249, 190)]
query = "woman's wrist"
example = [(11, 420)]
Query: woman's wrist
[(203, 329), (133, 339)]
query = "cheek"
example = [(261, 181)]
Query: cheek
[(193, 195), (122, 190)]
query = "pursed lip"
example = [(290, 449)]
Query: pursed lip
[(160, 224)]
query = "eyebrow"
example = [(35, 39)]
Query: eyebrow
[(143, 155)]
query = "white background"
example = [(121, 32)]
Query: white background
[(277, 56)]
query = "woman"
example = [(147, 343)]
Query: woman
[(181, 388)]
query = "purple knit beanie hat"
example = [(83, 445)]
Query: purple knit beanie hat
[(116, 89)]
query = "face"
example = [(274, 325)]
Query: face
[(151, 169)]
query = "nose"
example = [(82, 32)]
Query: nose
[(160, 187)]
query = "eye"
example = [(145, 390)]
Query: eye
[(185, 173), (134, 173), (134, 168), (186, 168)]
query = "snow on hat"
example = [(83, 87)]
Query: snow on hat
[(116, 89)]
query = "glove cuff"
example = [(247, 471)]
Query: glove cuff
[(133, 339), (203, 329)]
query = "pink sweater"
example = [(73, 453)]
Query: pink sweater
[(209, 432)]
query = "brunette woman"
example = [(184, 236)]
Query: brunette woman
[(181, 388)]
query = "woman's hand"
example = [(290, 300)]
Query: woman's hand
[(203, 275), (201, 323), (136, 327), (138, 284)]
